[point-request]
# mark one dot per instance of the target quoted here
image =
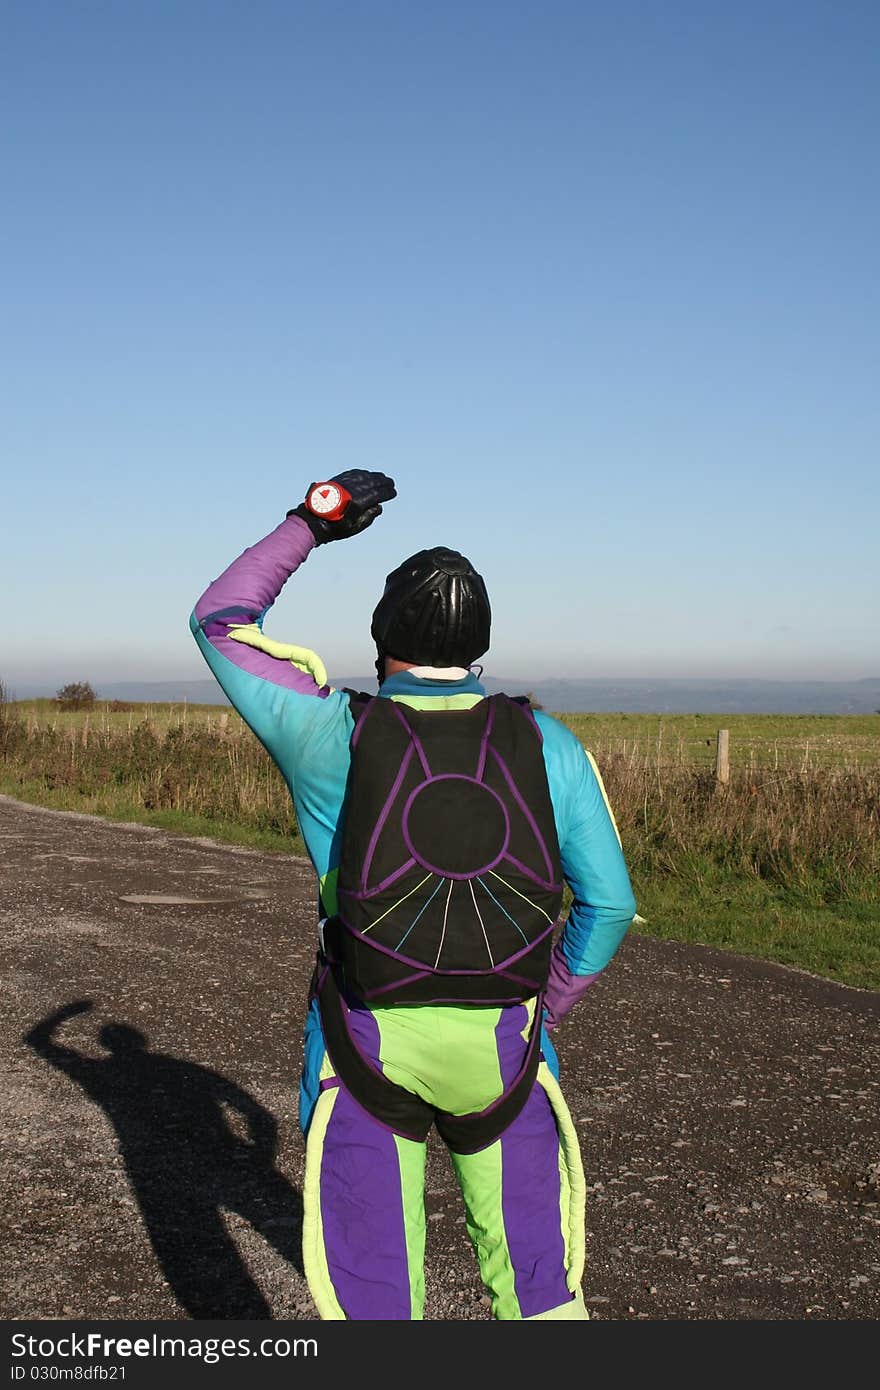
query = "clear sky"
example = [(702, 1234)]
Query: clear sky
[(596, 283)]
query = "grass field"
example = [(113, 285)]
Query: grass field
[(762, 740), (117, 716), (782, 863), (756, 740)]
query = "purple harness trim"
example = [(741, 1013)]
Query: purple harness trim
[(359, 722), (415, 741), (386, 882), (530, 715), (386, 811), (528, 988), (484, 744), (530, 873), (526, 812), (422, 969), (448, 873)]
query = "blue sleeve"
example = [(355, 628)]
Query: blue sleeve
[(278, 688), (593, 864)]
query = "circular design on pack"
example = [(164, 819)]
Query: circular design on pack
[(455, 826), (325, 499)]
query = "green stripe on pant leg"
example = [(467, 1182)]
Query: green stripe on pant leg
[(572, 1205), (480, 1179), (315, 1264), (573, 1311), (411, 1158), (573, 1184)]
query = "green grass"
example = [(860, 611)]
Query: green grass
[(837, 941), (702, 906), (117, 716), (763, 740), (119, 808), (783, 864), (756, 740)]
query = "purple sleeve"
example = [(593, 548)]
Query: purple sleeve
[(242, 594), (563, 988)]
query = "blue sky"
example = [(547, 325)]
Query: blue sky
[(597, 283)]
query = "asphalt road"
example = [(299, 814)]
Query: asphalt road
[(152, 1164)]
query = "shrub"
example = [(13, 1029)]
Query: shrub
[(76, 695), (9, 721)]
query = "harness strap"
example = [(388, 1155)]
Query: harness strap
[(392, 1105), (402, 1111)]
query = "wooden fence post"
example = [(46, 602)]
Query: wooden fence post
[(722, 758)]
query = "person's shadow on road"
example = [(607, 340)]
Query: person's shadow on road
[(185, 1162)]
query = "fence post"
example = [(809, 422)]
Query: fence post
[(722, 758)]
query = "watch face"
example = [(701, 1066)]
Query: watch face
[(324, 498)]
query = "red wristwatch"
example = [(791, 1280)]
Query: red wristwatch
[(328, 501)]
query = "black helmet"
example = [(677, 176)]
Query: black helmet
[(434, 611)]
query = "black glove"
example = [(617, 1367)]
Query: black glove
[(367, 490)]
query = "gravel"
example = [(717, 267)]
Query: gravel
[(728, 1108)]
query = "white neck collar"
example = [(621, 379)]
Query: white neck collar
[(438, 673)]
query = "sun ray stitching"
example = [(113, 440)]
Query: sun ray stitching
[(422, 909), (504, 910), (480, 920), (397, 904), (445, 915), (521, 895)]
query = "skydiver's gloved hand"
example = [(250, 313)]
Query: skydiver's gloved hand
[(350, 502)]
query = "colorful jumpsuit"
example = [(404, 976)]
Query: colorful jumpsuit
[(524, 1194)]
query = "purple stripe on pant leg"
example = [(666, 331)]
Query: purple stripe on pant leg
[(365, 1030), (509, 1041), (362, 1216), (530, 1203), (530, 1183), (361, 1201)]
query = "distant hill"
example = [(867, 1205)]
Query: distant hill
[(601, 695)]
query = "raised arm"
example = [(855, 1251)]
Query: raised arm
[(41, 1038), (224, 618), (254, 671)]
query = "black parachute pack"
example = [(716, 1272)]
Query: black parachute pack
[(450, 881)]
